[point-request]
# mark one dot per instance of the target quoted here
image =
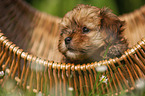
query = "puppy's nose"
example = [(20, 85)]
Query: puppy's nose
[(68, 40)]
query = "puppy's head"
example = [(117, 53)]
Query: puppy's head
[(84, 30)]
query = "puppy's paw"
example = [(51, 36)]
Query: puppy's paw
[(116, 50)]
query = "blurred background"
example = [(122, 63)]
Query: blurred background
[(60, 7)]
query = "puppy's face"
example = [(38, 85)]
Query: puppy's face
[(83, 32)]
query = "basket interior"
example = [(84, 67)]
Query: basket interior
[(33, 31)]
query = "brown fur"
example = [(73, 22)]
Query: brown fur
[(104, 29)]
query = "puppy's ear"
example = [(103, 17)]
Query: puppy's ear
[(110, 25)]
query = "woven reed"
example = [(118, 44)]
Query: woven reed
[(29, 55)]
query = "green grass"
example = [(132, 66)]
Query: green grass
[(11, 89), (61, 7)]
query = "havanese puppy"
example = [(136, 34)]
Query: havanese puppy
[(90, 34)]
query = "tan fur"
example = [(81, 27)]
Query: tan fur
[(104, 26)]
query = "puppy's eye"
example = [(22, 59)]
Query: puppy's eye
[(85, 30)]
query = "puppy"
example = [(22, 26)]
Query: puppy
[(90, 34)]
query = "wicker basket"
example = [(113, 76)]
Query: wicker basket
[(29, 55)]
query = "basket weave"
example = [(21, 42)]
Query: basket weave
[(35, 65)]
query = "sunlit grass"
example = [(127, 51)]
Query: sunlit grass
[(17, 91)]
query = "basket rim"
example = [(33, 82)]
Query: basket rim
[(64, 66)]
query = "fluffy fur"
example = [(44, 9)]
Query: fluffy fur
[(102, 35)]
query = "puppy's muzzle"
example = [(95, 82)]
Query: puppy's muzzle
[(68, 40)]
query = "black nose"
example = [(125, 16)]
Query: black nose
[(68, 40)]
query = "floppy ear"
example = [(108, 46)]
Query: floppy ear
[(110, 25)]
